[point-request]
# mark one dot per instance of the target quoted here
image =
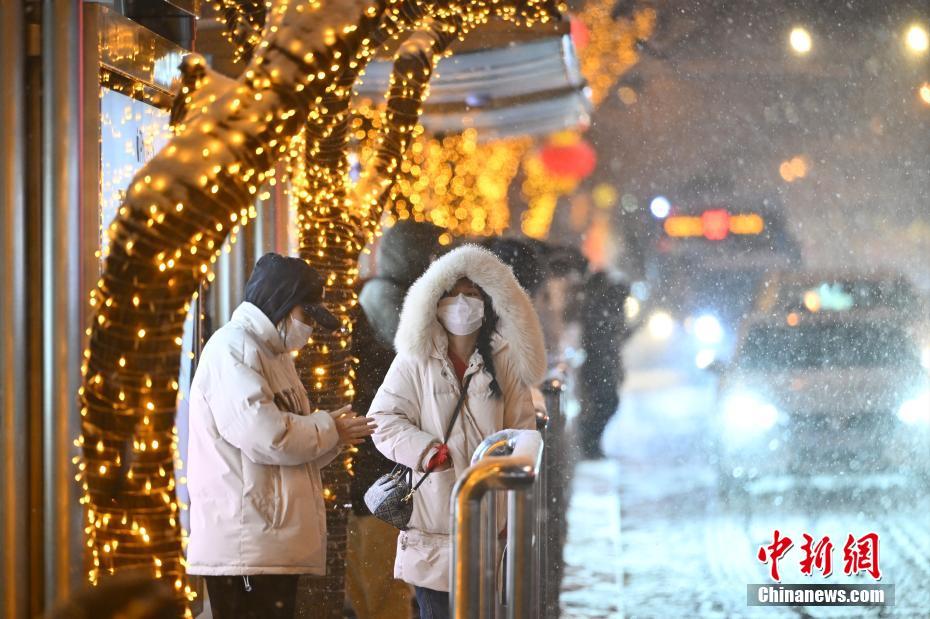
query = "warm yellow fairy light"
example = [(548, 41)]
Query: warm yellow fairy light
[(459, 184), (611, 45)]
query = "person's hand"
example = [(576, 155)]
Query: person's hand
[(345, 410), (438, 459), (352, 429)]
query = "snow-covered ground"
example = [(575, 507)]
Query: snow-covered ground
[(650, 538)]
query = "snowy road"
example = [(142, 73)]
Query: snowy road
[(680, 551)]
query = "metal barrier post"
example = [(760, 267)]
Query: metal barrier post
[(540, 531), (520, 564), (489, 559), (517, 472), (552, 503)]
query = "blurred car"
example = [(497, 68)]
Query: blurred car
[(823, 393), (814, 292), (790, 293)]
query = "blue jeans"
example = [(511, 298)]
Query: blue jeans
[(433, 604)]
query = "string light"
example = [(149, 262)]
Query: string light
[(178, 211), (610, 49), (459, 184), (243, 21)]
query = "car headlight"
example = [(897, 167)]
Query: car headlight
[(704, 358), (747, 413), (631, 308), (916, 410), (661, 325), (707, 329)]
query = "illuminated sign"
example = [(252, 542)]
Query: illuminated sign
[(714, 225)]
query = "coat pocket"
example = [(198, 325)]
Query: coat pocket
[(423, 559), (263, 491)]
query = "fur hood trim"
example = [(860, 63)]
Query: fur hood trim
[(518, 326)]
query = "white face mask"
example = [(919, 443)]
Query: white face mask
[(295, 334), (460, 315)]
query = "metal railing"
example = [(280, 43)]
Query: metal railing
[(515, 462), (554, 507), (474, 558)]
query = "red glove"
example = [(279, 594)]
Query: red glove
[(439, 458)]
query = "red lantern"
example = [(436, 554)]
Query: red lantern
[(579, 33), (575, 161)]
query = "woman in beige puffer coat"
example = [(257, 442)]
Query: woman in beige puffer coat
[(465, 321)]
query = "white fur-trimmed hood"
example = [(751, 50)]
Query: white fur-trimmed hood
[(518, 326)]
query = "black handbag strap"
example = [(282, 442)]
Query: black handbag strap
[(400, 471), (458, 408), (455, 416)]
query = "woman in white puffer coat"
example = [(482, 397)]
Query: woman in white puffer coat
[(465, 321), (256, 448)]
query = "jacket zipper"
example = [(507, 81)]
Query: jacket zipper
[(247, 584)]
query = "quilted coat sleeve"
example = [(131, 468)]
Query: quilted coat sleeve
[(246, 416), (396, 410)]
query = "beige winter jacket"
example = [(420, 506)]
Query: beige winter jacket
[(417, 399), (255, 452)]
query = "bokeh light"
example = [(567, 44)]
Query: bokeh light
[(800, 40), (924, 93), (917, 39), (660, 207)]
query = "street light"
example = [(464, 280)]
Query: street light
[(925, 93), (800, 40), (660, 207), (917, 39)]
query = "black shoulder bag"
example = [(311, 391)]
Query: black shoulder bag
[(390, 498)]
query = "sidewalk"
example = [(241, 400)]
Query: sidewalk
[(592, 583)]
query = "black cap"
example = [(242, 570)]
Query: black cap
[(279, 283), (322, 316)]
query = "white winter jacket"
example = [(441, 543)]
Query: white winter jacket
[(255, 452), (414, 405)]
